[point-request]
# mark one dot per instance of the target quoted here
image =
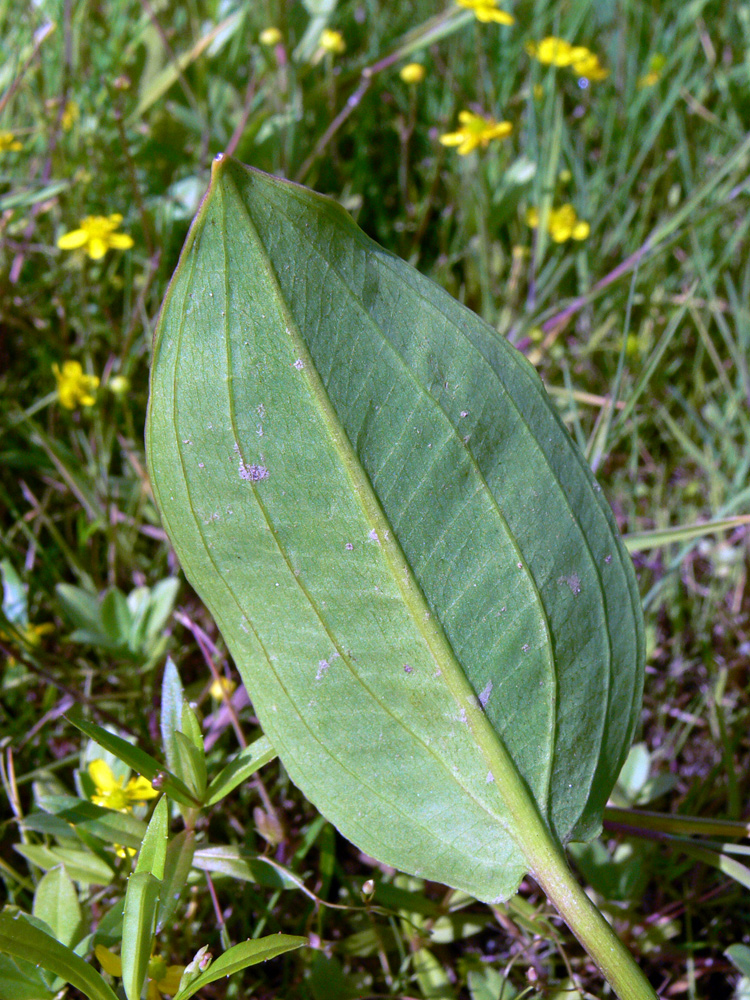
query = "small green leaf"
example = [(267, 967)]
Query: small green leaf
[(153, 852), (79, 606), (138, 927), (489, 984), (115, 617), (431, 976), (242, 956), (160, 605), (142, 901), (739, 956), (176, 870), (191, 727), (14, 602), (82, 866), (138, 759), (243, 866), (19, 938), (191, 765), (110, 826), (56, 903), (247, 762), (172, 697)]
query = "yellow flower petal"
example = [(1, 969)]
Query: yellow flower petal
[(140, 789), (476, 131), (8, 142), (551, 51), (270, 36), (221, 688), (72, 240), (110, 962), (170, 984), (332, 41), (412, 73), (102, 775), (96, 235), (96, 248), (486, 11), (120, 241), (581, 230)]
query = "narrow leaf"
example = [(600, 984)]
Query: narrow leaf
[(138, 927), (410, 561), (242, 956), (243, 866), (247, 762), (153, 853), (191, 765), (172, 696), (142, 901), (107, 824), (81, 865), (134, 757), (19, 939), (176, 870), (640, 541)]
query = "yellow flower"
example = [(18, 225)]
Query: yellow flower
[(655, 66), (412, 73), (162, 978), (113, 793), (332, 41), (270, 36), (30, 635), (73, 387), (476, 131), (222, 688), (124, 852), (551, 51), (562, 223), (119, 385), (589, 68), (487, 10), (8, 141), (70, 116), (97, 234)]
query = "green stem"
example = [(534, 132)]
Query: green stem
[(549, 867), (618, 966)]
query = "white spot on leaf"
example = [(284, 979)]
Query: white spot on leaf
[(253, 473), (484, 697)]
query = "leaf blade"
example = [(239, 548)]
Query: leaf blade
[(384, 523)]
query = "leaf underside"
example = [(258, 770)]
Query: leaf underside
[(375, 498)]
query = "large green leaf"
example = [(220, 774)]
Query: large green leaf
[(410, 561)]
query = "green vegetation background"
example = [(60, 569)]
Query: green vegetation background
[(640, 330)]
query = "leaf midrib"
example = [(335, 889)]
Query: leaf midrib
[(422, 616), (394, 806)]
